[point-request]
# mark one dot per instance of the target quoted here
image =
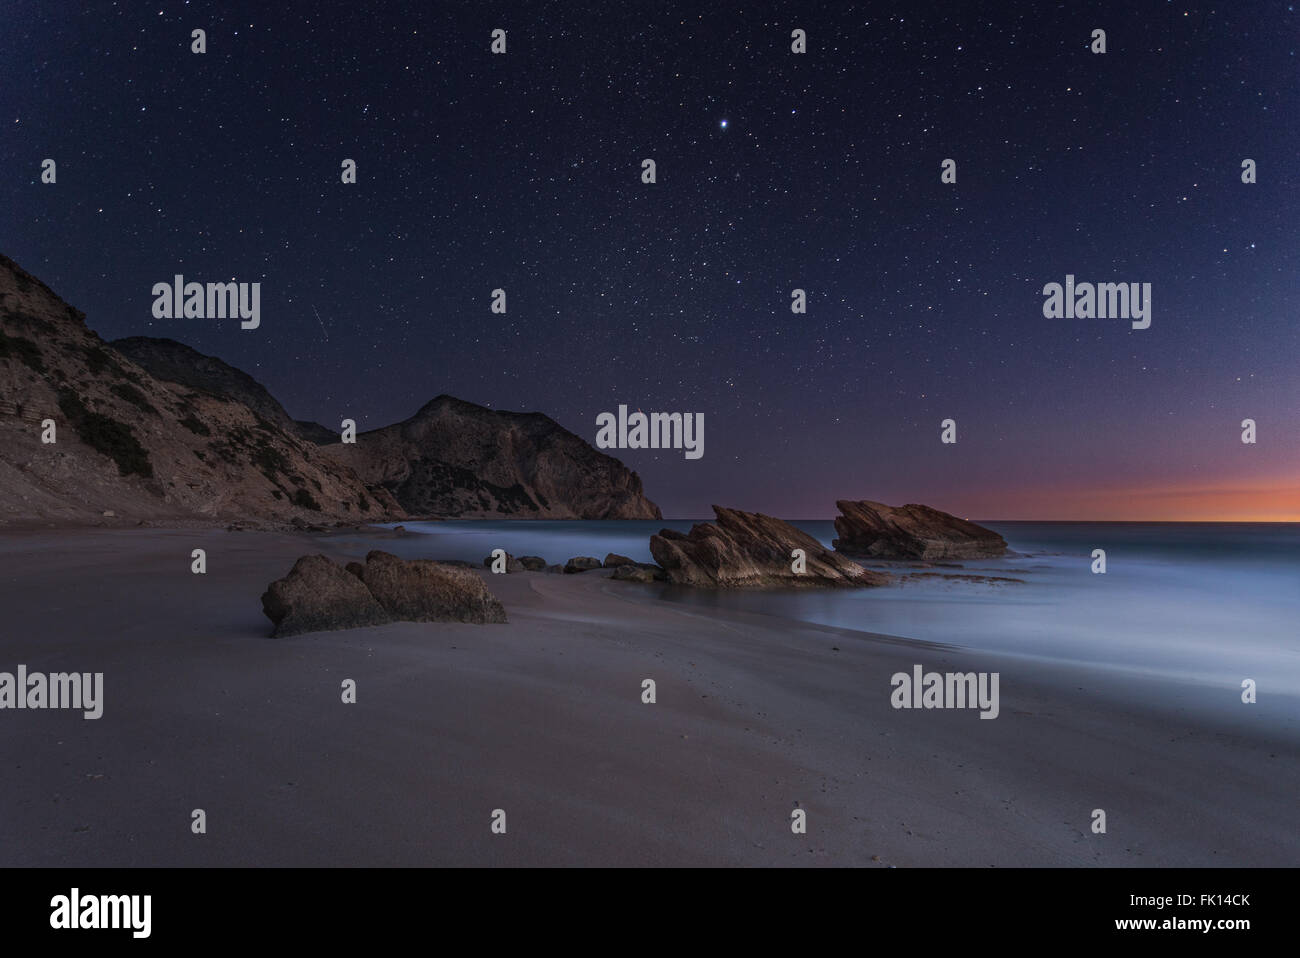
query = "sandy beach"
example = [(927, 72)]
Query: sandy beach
[(543, 718)]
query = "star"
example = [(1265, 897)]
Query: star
[(723, 124)]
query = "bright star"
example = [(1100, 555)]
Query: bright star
[(724, 124)]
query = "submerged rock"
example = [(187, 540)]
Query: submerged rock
[(751, 550), (874, 530)]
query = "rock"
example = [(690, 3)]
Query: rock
[(512, 564), (751, 550), (318, 595), (614, 560), (400, 530), (637, 573), (110, 514), (419, 590), (532, 563), (875, 530), (555, 569), (581, 564)]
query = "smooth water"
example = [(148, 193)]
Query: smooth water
[(1206, 603)]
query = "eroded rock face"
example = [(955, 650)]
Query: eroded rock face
[(455, 458), (141, 447), (751, 550), (872, 529), (320, 595), (175, 362), (581, 564)]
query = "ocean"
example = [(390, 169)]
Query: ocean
[(1200, 604)]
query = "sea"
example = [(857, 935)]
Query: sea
[(1202, 604)]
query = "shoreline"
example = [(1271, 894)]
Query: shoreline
[(543, 717)]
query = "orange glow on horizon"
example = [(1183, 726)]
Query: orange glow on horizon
[(1231, 501)]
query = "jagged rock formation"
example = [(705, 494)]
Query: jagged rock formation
[(751, 550), (454, 458), (319, 595), (177, 363), (872, 529), (139, 447)]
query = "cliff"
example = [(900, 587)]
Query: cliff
[(455, 458), (175, 362), (137, 446)]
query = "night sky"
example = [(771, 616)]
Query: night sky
[(775, 171)]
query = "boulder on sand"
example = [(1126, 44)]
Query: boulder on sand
[(751, 550), (581, 564), (638, 572), (420, 590), (614, 560), (319, 595), (512, 564), (874, 530), (532, 563)]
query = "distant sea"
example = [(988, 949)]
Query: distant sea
[(1202, 603)]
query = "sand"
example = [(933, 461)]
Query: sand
[(542, 718)]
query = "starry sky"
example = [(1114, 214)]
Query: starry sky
[(775, 170)]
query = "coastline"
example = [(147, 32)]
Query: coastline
[(543, 717)]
